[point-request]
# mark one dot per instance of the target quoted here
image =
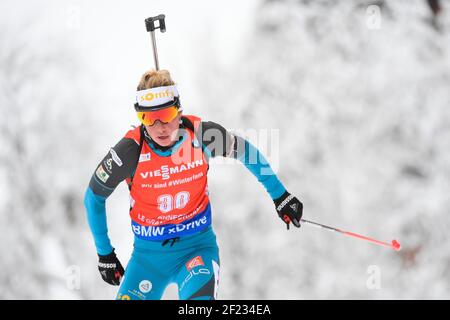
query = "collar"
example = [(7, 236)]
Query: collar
[(163, 150)]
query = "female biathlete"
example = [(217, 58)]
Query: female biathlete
[(164, 161)]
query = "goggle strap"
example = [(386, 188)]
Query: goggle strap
[(175, 102)]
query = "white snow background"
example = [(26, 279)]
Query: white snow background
[(360, 101)]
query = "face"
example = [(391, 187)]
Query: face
[(164, 134)]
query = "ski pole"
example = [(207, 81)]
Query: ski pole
[(150, 26), (394, 244)]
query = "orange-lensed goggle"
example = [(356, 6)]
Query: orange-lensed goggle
[(165, 115)]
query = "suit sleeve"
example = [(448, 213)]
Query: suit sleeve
[(220, 142), (118, 164), (216, 139)]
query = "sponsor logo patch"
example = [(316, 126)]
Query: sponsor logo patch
[(144, 157), (285, 202), (165, 171), (116, 158), (192, 274), (101, 174), (194, 262), (108, 165), (145, 286)]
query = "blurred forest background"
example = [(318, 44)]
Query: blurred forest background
[(359, 94)]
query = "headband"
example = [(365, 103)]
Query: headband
[(157, 97)]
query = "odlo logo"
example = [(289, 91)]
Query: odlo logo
[(194, 262), (145, 286)]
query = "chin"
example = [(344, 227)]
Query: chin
[(164, 143)]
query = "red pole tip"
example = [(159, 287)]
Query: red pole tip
[(396, 245)]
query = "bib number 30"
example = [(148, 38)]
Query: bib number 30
[(167, 202)]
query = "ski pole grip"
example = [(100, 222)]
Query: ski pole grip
[(150, 23)]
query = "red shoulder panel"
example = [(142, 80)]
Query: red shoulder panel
[(134, 134), (194, 119)]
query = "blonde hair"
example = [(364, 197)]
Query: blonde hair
[(155, 78)]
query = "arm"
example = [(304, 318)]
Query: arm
[(220, 142), (117, 165), (256, 163), (96, 216)]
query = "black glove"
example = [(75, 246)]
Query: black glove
[(110, 268), (289, 209)]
